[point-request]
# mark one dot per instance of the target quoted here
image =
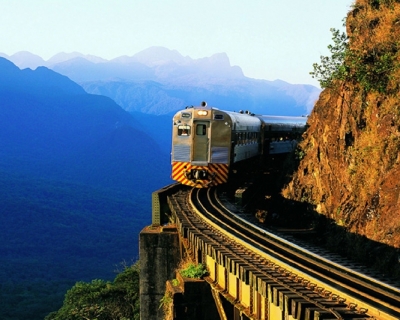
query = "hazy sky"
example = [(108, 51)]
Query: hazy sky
[(268, 39)]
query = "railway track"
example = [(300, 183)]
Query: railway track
[(328, 287)]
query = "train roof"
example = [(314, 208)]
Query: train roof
[(299, 121), (244, 121), (293, 120)]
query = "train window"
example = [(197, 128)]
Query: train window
[(186, 115), (184, 130), (201, 130), (240, 138), (218, 116)]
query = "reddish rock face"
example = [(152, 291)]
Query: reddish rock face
[(350, 170)]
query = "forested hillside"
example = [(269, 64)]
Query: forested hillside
[(76, 176)]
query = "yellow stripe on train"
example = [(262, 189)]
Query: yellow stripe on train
[(200, 176)]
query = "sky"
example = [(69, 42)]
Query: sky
[(268, 39)]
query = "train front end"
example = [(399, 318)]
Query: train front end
[(201, 146)]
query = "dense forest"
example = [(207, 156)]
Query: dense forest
[(54, 234)]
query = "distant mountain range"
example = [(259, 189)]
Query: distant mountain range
[(51, 124), (161, 81)]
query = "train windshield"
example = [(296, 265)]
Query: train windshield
[(201, 130), (183, 130)]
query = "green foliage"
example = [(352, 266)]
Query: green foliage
[(165, 301), (370, 68), (102, 300), (333, 67), (194, 271), (299, 153), (175, 282)]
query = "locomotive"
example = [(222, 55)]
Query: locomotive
[(208, 142)]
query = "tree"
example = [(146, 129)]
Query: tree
[(103, 300), (369, 66), (333, 67)]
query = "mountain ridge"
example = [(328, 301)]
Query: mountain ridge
[(182, 80), (61, 123)]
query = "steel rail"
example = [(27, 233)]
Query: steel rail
[(391, 291), (277, 280), (323, 264), (195, 210)]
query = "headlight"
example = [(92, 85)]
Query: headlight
[(202, 112)]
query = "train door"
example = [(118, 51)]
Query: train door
[(201, 141)]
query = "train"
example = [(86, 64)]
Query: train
[(208, 142)]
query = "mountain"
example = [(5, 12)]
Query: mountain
[(154, 56), (63, 56), (51, 121), (81, 70), (171, 64), (76, 173), (25, 59), (155, 98), (161, 81), (42, 81)]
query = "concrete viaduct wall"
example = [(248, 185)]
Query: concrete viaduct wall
[(236, 291)]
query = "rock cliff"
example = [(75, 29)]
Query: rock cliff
[(350, 161)]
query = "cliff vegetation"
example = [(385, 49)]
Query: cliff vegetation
[(350, 162)]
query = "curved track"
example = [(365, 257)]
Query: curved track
[(328, 285)]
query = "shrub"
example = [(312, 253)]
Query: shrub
[(194, 271)]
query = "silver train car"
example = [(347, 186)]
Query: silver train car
[(207, 142)]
